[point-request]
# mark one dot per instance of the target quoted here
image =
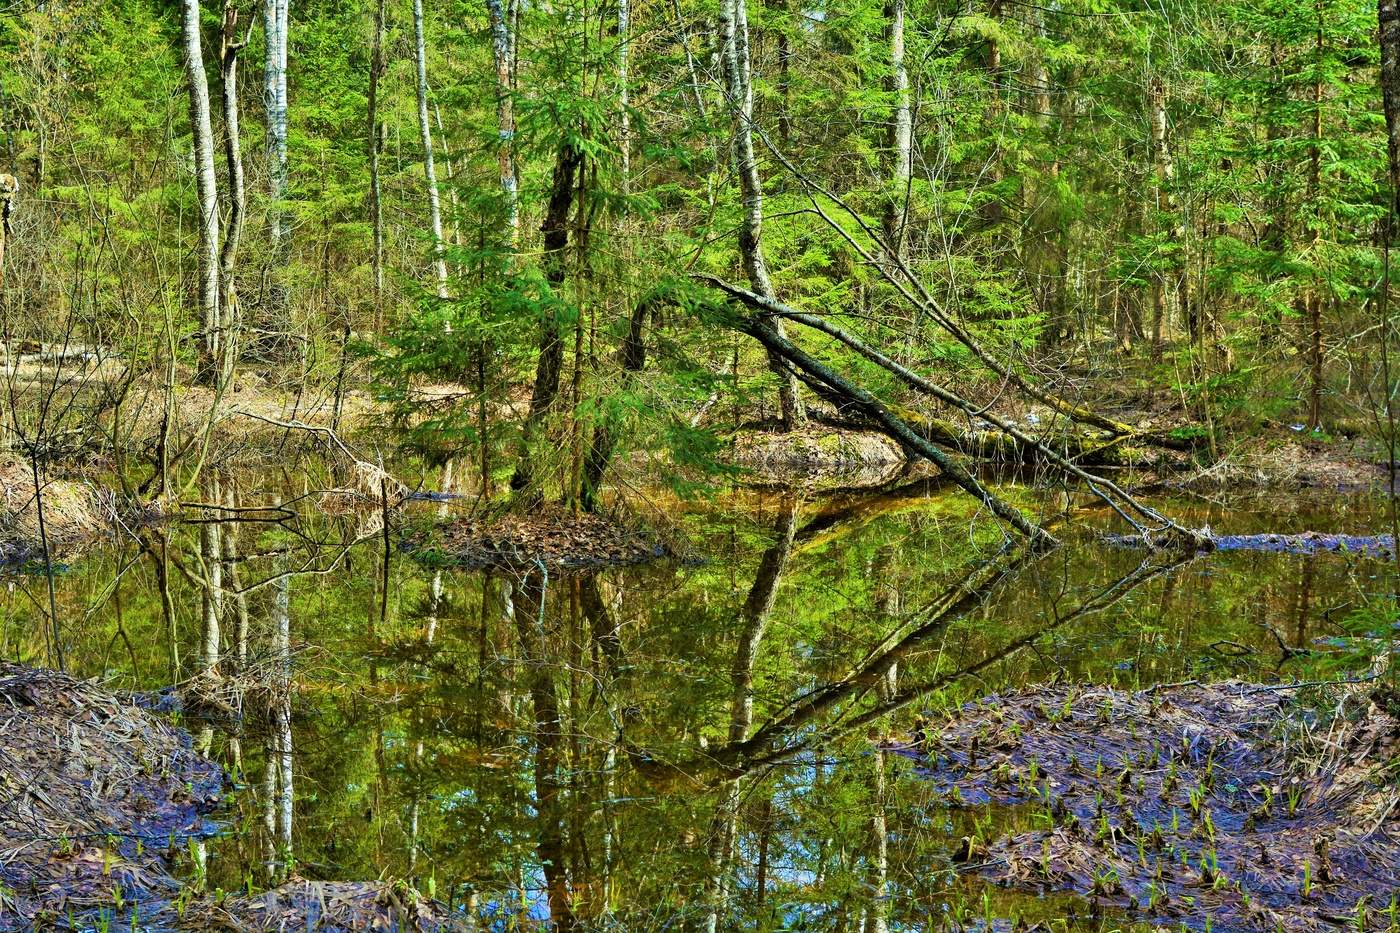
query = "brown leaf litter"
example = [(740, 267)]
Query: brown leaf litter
[(97, 797), (1221, 807)]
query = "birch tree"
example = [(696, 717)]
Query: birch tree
[(900, 133), (372, 145), (426, 132), (503, 53), (230, 46), (206, 185), (275, 24), (739, 87)]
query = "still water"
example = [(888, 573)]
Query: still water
[(692, 743)]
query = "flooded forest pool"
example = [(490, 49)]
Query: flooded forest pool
[(489, 735)]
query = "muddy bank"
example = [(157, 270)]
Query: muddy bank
[(98, 799), (1230, 805)]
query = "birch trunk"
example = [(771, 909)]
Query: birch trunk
[(739, 87), (211, 555), (502, 50), (900, 133), (372, 145), (426, 132), (230, 46), (624, 115), (282, 718), (205, 185), (757, 609), (275, 19), (1165, 172), (9, 190)]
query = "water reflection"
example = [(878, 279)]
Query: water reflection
[(656, 747)]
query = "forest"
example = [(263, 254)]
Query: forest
[(699, 465)]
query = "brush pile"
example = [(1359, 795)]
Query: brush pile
[(1223, 805), (95, 797)]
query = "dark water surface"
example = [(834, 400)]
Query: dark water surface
[(491, 735)]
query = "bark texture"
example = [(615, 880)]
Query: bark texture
[(206, 184), (1388, 14), (739, 86), (372, 147), (503, 51), (230, 46), (275, 26), (550, 362), (425, 131), (899, 152)]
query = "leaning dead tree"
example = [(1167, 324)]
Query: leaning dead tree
[(761, 317), (848, 396)]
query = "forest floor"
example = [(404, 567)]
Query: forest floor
[(100, 800), (1225, 806)]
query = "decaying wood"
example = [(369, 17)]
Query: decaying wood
[(892, 420)]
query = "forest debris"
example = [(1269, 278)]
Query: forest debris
[(853, 457), (1292, 465), (329, 907), (1184, 804), (549, 536), (74, 512), (93, 792), (1308, 542), (98, 796)]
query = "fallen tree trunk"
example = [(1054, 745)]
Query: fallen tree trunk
[(869, 406), (840, 392), (998, 445)]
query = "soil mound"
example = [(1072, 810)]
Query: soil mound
[(1191, 805), (550, 537)]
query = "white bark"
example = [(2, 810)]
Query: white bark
[(376, 195), (282, 619), (624, 131), (205, 181), (230, 46), (426, 132), (901, 130), (739, 88), (503, 48), (275, 20), (211, 553)]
